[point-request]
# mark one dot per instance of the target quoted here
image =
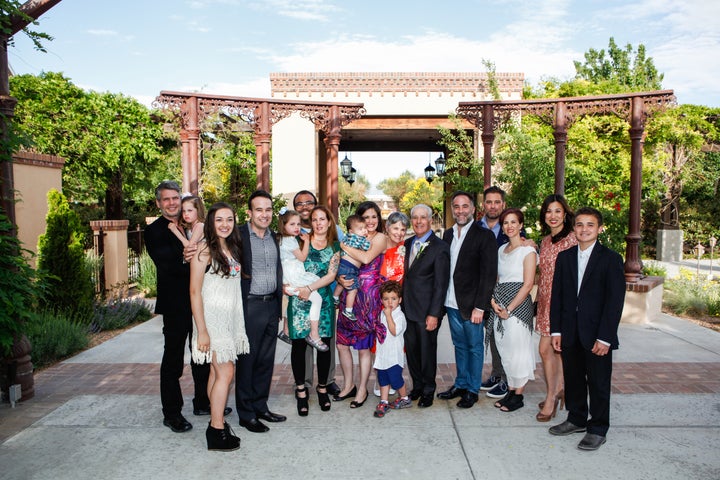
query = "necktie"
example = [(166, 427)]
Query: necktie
[(414, 252)]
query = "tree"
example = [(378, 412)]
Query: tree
[(110, 142), (462, 168), (420, 191), (397, 187), (620, 68), (350, 196), (61, 254)]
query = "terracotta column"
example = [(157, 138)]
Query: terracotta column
[(193, 132), (637, 128), (560, 134), (488, 137), (185, 158), (332, 146), (261, 138)]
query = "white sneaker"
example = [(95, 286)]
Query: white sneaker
[(376, 390)]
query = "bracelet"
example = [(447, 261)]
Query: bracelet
[(308, 287)]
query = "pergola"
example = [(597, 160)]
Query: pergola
[(261, 114), (635, 108)]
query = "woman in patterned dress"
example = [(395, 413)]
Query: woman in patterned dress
[(393, 266), (361, 333), (557, 226), (322, 260)]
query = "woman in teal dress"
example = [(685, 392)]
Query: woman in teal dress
[(322, 260)]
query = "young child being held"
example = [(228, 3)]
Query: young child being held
[(292, 256), (349, 267), (390, 354), (191, 221)]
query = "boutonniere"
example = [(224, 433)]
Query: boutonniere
[(421, 249), (401, 250)]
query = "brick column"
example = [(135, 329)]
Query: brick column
[(115, 249)]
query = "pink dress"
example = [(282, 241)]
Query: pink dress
[(548, 254)]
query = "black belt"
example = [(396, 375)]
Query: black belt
[(263, 298)]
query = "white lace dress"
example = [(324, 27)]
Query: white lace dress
[(224, 319)]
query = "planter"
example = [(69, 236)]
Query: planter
[(18, 368)]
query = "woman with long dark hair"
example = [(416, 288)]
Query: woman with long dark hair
[(218, 321), (557, 226)]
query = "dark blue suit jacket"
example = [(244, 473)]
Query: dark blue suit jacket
[(593, 313)]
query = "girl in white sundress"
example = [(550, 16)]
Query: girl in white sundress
[(292, 256), (218, 322)]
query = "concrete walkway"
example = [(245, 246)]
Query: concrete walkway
[(97, 415)]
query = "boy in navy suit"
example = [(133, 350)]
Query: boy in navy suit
[(585, 309)]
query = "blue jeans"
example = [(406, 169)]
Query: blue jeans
[(469, 341)]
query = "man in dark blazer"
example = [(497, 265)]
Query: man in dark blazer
[(585, 310), (173, 303), (427, 272), (473, 274), (262, 298)]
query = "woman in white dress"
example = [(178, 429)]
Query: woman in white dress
[(512, 318), (218, 321)]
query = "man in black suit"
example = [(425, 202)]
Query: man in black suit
[(473, 274), (585, 310), (173, 303), (427, 272), (262, 298)]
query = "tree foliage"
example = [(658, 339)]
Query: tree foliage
[(61, 254), (396, 188), (462, 167), (350, 196), (420, 191), (111, 142), (10, 9)]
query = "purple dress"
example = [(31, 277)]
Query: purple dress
[(361, 333)]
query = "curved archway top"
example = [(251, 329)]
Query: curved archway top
[(260, 113)]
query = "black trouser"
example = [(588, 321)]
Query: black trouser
[(298, 361), (177, 330), (586, 374), (253, 374), (421, 350)]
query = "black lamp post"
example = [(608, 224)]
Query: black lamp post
[(346, 168), (440, 165), (429, 173)]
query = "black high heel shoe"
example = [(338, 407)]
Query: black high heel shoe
[(356, 404), (302, 402), (351, 393), (323, 398)]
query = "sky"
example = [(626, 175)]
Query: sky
[(230, 47)]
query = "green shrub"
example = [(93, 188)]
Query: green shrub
[(54, 336), (654, 269), (119, 313), (20, 287), (61, 254), (147, 280), (689, 295)]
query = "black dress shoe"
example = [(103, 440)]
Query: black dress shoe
[(177, 424), (254, 425), (340, 398), (565, 428), (452, 392), (468, 400), (591, 441), (425, 401), (415, 394), (333, 389), (271, 417), (206, 411)]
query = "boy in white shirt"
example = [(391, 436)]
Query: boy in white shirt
[(390, 354)]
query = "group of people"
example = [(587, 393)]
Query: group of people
[(385, 296)]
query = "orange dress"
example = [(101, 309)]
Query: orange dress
[(393, 266), (548, 254)]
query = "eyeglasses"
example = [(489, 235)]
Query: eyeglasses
[(309, 203)]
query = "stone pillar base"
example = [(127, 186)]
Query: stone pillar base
[(643, 300), (669, 245)]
